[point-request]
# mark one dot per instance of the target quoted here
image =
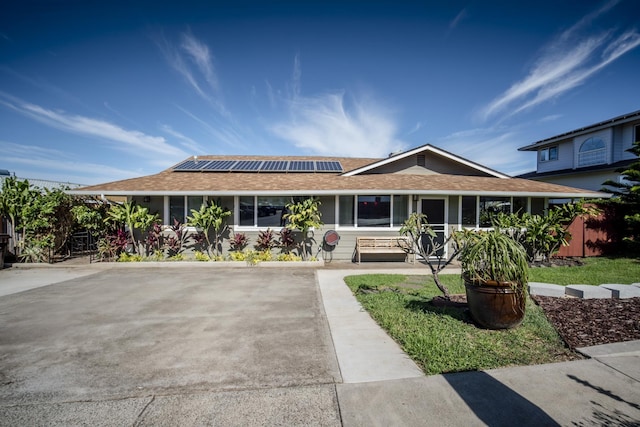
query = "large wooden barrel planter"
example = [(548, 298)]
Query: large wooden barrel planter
[(495, 305)]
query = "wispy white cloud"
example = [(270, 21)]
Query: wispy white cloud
[(185, 141), (416, 128), (551, 118), (192, 59), (271, 95), (296, 79), (222, 132), (494, 147), (335, 123), (459, 17), (568, 61), (323, 124), (199, 53), (132, 141), (58, 165)]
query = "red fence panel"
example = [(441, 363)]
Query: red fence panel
[(584, 240)]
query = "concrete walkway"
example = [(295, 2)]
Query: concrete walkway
[(347, 372)]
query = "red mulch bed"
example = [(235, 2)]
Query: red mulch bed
[(582, 322), (587, 322)]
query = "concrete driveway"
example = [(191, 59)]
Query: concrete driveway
[(169, 346), (197, 345)]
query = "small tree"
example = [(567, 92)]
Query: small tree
[(123, 215), (303, 216), (15, 196), (134, 217), (90, 217), (210, 217), (626, 197), (426, 242)]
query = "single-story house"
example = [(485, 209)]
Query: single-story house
[(359, 196)]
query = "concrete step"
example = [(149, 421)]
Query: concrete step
[(622, 291), (546, 289), (587, 291)]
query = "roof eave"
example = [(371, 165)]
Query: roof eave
[(427, 147), (546, 194), (625, 118)]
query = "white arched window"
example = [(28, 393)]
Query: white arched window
[(593, 151)]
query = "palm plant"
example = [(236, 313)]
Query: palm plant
[(492, 256)]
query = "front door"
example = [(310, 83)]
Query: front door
[(436, 212)]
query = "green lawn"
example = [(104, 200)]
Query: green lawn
[(596, 271), (446, 340)]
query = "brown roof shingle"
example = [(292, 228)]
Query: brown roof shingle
[(171, 182)]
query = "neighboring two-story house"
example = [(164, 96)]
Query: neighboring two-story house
[(586, 157)]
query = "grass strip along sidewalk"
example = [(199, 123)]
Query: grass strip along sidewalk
[(443, 339)]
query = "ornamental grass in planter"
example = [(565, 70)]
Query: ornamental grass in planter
[(495, 273)]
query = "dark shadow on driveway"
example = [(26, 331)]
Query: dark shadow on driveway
[(496, 404)]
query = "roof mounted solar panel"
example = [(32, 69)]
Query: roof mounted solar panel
[(328, 166), (247, 165), (219, 165), (301, 166), (275, 166), (191, 165)]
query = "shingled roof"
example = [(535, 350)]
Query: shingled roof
[(172, 182)]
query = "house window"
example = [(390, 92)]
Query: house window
[(246, 211), (592, 152), (548, 154), (270, 210), (519, 205), (636, 133), (194, 203), (180, 207), (346, 211), (400, 209), (491, 206), (469, 205), (373, 211), (421, 160), (263, 211), (176, 209)]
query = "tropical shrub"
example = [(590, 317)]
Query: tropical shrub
[(207, 218), (287, 240), (541, 235), (288, 257), (266, 240), (303, 216), (201, 256), (131, 217), (238, 242)]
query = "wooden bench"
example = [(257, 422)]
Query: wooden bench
[(384, 245)]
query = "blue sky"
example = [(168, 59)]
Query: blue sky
[(92, 92)]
